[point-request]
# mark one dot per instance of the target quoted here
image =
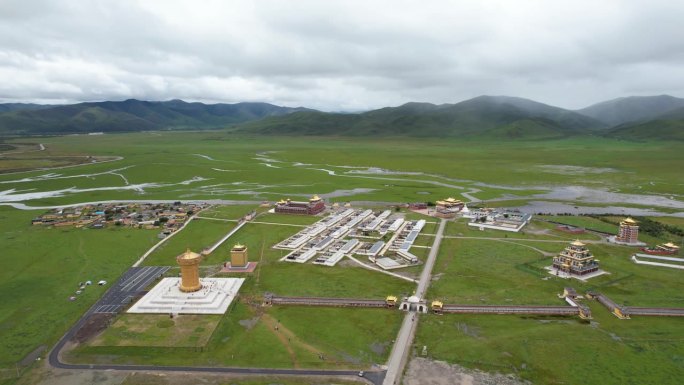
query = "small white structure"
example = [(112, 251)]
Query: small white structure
[(413, 303), (166, 297), (499, 220)]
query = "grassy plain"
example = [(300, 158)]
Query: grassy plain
[(42, 269), (223, 166), (227, 166), (197, 235), (644, 350), (248, 337), (550, 350), (143, 330)]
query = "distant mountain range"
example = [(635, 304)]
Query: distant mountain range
[(633, 118), (507, 117), (636, 118), (130, 115)]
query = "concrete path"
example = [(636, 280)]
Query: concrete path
[(153, 248), (369, 267), (230, 233), (404, 341)]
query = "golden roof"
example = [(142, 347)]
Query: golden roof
[(315, 198), (282, 202), (671, 245), (629, 221), (239, 246), (437, 304), (577, 242), (189, 254), (391, 298)]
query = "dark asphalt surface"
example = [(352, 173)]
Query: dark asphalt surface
[(134, 281), (131, 284)]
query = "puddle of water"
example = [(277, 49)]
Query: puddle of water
[(562, 208), (574, 170), (593, 195), (14, 195)]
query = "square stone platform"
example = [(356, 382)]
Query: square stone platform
[(214, 297), (244, 269)]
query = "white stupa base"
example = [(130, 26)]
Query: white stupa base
[(613, 239), (214, 297)]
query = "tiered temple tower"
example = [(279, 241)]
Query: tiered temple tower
[(628, 232), (576, 259), (189, 265)]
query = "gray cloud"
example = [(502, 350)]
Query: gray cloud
[(339, 55)]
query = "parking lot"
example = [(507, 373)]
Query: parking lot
[(131, 284)]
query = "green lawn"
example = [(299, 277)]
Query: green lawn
[(197, 235), (145, 330), (234, 212), (556, 350), (583, 221), (43, 267), (247, 337), (303, 220)]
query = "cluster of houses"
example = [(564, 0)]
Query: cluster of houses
[(167, 216)]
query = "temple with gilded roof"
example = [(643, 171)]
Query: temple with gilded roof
[(448, 208), (313, 206), (575, 259)]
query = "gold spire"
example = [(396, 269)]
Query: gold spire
[(630, 221)]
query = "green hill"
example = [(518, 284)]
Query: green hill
[(659, 129), (484, 115), (133, 115), (4, 107), (632, 109)]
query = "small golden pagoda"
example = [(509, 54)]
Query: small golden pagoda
[(189, 265), (238, 256), (437, 306), (391, 301)]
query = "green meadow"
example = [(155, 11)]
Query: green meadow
[(509, 271), (220, 165), (42, 269), (277, 337), (44, 265)]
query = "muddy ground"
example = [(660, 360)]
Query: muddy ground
[(422, 371)]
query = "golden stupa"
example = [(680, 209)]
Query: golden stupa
[(189, 265)]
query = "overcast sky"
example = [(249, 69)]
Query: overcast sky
[(340, 55)]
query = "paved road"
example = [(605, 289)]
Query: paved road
[(404, 340), (426, 275)]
